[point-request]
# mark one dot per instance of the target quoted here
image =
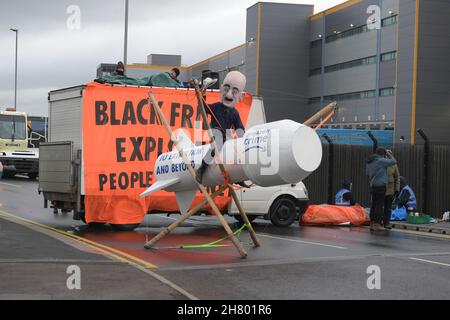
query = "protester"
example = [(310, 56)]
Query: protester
[(166, 79), (376, 170), (174, 74), (224, 115), (162, 80), (392, 190), (406, 198), (344, 197), (120, 69)]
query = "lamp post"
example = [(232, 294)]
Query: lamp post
[(125, 49), (15, 85)]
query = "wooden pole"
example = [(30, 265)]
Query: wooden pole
[(329, 108), (202, 189), (179, 221), (222, 168), (245, 218)]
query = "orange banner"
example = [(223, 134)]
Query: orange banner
[(122, 138), (334, 215)]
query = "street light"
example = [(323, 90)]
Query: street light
[(125, 49), (15, 86)]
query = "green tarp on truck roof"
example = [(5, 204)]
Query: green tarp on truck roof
[(157, 80)]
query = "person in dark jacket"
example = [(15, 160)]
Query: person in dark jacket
[(344, 197), (376, 170), (392, 190), (224, 115)]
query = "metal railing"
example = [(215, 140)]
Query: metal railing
[(426, 168)]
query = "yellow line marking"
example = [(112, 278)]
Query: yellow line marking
[(334, 9), (230, 51), (430, 261), (317, 16), (145, 66), (110, 252), (258, 49), (397, 59), (416, 54), (86, 241), (189, 68)]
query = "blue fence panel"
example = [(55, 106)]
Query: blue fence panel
[(355, 137)]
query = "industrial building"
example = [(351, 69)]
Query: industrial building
[(384, 61)]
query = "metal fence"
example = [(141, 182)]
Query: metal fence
[(426, 168)]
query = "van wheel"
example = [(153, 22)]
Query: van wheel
[(124, 227), (32, 176), (251, 218), (283, 212)]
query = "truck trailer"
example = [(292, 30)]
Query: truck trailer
[(61, 167)]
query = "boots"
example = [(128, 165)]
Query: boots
[(376, 227)]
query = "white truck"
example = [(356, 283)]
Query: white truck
[(61, 166), (16, 154)]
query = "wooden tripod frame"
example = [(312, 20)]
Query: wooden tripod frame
[(208, 198)]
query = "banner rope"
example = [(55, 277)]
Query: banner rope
[(214, 244)]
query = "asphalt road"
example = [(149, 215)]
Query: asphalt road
[(292, 263)]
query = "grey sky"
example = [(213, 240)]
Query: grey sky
[(51, 56)]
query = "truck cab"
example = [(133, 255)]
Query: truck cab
[(15, 155)]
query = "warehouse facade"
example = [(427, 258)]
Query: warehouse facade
[(384, 61)]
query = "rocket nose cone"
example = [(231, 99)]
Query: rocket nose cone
[(307, 149)]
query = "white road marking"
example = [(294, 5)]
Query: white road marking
[(433, 262), (423, 234), (300, 241), (268, 236), (193, 222), (10, 185)]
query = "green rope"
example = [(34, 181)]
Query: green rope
[(215, 244)]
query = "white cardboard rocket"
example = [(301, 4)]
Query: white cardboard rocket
[(270, 154)]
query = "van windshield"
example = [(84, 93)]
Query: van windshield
[(12, 127)]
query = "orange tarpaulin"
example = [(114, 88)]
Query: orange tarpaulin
[(122, 138), (332, 215)]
